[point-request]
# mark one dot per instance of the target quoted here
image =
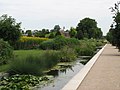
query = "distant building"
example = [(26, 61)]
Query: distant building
[(65, 33)]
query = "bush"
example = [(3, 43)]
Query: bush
[(87, 47), (47, 45), (29, 43), (58, 43), (6, 52), (34, 65), (67, 54)]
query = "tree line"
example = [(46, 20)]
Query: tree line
[(11, 31), (113, 36)]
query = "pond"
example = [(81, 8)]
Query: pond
[(62, 77)]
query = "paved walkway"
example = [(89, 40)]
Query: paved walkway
[(105, 74)]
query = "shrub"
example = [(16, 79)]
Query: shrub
[(87, 47), (67, 54), (58, 43), (34, 65), (47, 45), (6, 52), (29, 42)]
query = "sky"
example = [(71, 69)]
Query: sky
[(39, 14)]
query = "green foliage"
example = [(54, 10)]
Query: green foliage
[(41, 33), (86, 48), (29, 33), (67, 54), (46, 45), (55, 32), (6, 52), (73, 32), (4, 68), (110, 37), (114, 33), (58, 43), (21, 82), (33, 64), (29, 43), (9, 29), (87, 28)]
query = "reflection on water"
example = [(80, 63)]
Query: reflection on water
[(53, 72), (62, 76)]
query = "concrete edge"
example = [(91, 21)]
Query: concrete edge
[(74, 83)]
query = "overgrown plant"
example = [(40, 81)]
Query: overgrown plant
[(58, 43), (29, 42), (6, 52), (87, 47), (67, 54), (34, 65)]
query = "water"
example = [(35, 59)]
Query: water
[(61, 78)]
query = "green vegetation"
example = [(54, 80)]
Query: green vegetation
[(34, 54), (4, 68), (58, 43), (6, 52), (22, 82), (87, 28), (9, 30), (86, 48), (67, 54), (34, 64), (73, 32), (28, 43), (113, 36), (25, 53)]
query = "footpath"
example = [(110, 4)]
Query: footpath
[(105, 73)]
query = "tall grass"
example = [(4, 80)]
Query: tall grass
[(87, 47), (67, 54), (34, 65)]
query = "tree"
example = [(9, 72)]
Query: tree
[(9, 30), (115, 32), (87, 28), (73, 32), (29, 33), (40, 33), (57, 30)]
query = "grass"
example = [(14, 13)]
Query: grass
[(4, 67), (21, 54), (25, 53), (33, 61)]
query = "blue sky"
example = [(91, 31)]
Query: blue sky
[(38, 14)]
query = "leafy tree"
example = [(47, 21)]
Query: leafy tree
[(115, 32), (56, 28), (36, 33), (55, 31), (29, 33), (6, 52), (41, 33), (9, 30), (87, 28), (73, 32)]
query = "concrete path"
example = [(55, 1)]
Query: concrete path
[(105, 74)]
